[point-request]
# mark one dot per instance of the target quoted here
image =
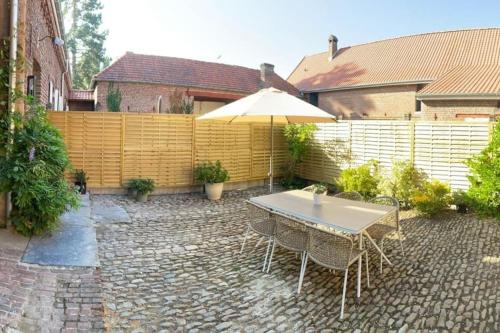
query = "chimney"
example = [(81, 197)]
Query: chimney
[(266, 72), (332, 46)]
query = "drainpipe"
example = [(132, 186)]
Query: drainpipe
[(66, 66), (12, 80)]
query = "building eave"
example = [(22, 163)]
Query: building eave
[(370, 85), (443, 97)]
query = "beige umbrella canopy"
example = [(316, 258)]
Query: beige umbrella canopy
[(269, 105)]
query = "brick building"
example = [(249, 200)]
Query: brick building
[(146, 82), (433, 76), (43, 72)]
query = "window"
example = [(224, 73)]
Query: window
[(50, 102), (418, 105), (30, 89), (313, 99)]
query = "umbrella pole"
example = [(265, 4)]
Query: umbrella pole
[(271, 158)]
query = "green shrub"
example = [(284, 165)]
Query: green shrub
[(403, 182), (433, 198), (142, 186), (484, 190), (113, 98), (211, 173), (33, 170), (299, 138), (319, 188), (364, 179)]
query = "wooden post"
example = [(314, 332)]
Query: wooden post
[(193, 148), (411, 136), (122, 147)]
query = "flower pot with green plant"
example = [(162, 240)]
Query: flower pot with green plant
[(319, 192), (132, 188), (81, 181), (461, 201), (143, 187), (213, 175)]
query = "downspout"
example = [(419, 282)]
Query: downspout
[(62, 84), (12, 80)]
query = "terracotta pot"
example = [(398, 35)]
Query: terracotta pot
[(318, 198), (142, 197), (214, 191)]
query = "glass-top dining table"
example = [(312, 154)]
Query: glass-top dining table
[(342, 215)]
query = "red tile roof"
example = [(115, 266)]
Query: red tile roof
[(418, 58), (473, 81), (142, 68), (84, 95)]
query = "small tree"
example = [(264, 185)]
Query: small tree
[(180, 103), (299, 138), (484, 190), (114, 98)]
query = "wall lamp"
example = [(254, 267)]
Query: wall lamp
[(56, 40)]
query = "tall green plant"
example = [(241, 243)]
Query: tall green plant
[(364, 179), (33, 171), (299, 138), (484, 190), (403, 182), (114, 98)]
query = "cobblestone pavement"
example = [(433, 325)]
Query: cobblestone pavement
[(48, 299), (177, 267)]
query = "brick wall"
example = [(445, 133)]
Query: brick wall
[(143, 97), (391, 102), (459, 109), (40, 23)]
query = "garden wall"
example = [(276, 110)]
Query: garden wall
[(438, 148), (114, 147)]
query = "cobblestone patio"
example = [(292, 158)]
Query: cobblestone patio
[(177, 267)]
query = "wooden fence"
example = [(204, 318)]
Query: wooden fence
[(438, 148), (114, 147)]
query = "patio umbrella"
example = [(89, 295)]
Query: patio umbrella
[(273, 106)]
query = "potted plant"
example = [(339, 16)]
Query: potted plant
[(81, 181), (319, 192), (132, 188), (213, 175), (143, 187), (461, 200)]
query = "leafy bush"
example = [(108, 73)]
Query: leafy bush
[(113, 98), (33, 170), (364, 179), (299, 138), (142, 186), (403, 182), (484, 190), (180, 103), (211, 173), (433, 198), (81, 176)]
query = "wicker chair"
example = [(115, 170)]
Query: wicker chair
[(386, 226), (349, 195), (261, 222), (292, 235), (333, 251)]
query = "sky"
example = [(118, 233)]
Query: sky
[(280, 32)]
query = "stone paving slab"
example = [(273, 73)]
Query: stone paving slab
[(72, 244), (108, 212)]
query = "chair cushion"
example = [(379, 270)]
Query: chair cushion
[(379, 231)]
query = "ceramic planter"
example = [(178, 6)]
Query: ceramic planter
[(132, 193), (142, 197), (214, 191), (318, 198), (82, 187)]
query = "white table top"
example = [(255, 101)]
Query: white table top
[(344, 215)]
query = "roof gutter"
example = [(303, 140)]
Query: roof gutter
[(443, 97), (370, 85)]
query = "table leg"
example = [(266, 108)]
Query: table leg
[(378, 248), (359, 265)]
